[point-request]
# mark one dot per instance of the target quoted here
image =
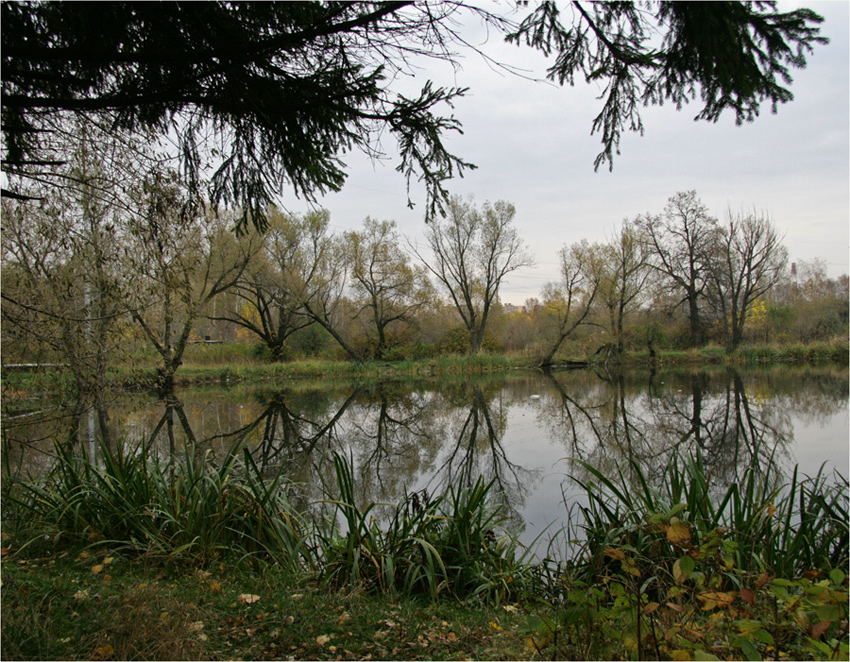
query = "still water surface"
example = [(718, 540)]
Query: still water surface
[(522, 430)]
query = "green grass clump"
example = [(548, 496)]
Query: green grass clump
[(784, 527), (449, 544), (189, 506)]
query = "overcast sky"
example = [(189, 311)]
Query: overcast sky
[(531, 142)]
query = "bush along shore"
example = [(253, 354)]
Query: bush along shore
[(193, 557)]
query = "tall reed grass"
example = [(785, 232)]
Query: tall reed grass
[(766, 523), (450, 544), (188, 506)]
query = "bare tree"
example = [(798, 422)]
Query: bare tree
[(749, 260), (279, 278), (680, 238), (298, 279), (473, 252), (181, 261), (624, 274), (567, 303), (388, 286)]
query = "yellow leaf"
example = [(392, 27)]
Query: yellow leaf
[(617, 554), (108, 560), (651, 607), (714, 599), (215, 587), (678, 534), (680, 655), (96, 569), (248, 598), (322, 639), (451, 636)]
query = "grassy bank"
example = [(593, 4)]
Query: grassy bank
[(56, 607), (233, 363), (199, 558)]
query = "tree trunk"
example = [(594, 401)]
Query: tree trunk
[(693, 315)]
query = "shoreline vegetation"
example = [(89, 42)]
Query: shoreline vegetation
[(228, 364), (192, 557)]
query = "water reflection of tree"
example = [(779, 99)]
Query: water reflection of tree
[(627, 422), (292, 428), (396, 437), (476, 450), (390, 430), (723, 421), (570, 411), (31, 428)]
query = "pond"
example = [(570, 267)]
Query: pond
[(524, 430)]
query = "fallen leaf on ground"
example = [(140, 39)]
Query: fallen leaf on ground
[(103, 652), (96, 569), (248, 598), (322, 639)]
